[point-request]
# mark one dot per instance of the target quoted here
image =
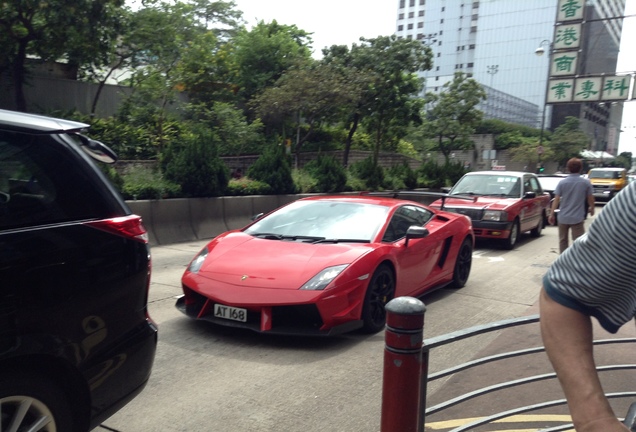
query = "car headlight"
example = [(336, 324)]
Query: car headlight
[(197, 262), (324, 278), (495, 215)]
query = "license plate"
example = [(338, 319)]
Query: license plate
[(229, 312)]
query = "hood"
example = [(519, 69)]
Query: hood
[(481, 203), (238, 258)]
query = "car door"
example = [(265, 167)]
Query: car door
[(416, 260), (531, 208)]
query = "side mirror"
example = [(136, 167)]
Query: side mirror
[(257, 216), (446, 189), (529, 195), (415, 232)]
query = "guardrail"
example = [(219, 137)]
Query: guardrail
[(406, 376)]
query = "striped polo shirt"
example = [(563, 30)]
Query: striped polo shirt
[(597, 274)]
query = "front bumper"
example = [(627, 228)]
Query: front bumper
[(489, 229), (290, 312)]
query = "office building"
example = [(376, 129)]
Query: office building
[(494, 42)]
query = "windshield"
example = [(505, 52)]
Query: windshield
[(316, 220), (488, 185), (604, 174)]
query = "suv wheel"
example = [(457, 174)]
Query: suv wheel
[(33, 402)]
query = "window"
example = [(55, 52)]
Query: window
[(471, 46), (420, 25), (400, 27), (411, 14), (420, 13), (437, 68), (469, 65), (411, 3), (439, 43), (439, 54), (441, 21), (422, 2), (420, 36), (409, 27), (401, 4), (473, 29), (443, 8), (401, 16), (441, 32), (404, 218), (40, 182)]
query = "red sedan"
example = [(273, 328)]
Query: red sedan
[(326, 265), (505, 204)]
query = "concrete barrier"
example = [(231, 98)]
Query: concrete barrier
[(182, 220), (172, 221), (207, 217)]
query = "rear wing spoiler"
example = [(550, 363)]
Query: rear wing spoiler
[(439, 195)]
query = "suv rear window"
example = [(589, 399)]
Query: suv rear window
[(41, 182), (605, 174)]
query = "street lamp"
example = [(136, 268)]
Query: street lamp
[(492, 70), (539, 51)]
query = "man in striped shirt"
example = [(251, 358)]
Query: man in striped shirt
[(592, 278)]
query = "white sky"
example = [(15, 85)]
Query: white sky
[(342, 22)]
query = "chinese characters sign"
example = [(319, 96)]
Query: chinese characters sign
[(587, 89), (565, 85)]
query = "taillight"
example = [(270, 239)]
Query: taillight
[(126, 226)]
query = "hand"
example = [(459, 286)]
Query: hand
[(551, 219)]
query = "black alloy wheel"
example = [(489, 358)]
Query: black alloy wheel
[(380, 291), (463, 264)]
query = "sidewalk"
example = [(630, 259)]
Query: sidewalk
[(519, 338)]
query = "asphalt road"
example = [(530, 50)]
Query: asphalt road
[(209, 378)]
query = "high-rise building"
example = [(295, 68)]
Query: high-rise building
[(494, 42)]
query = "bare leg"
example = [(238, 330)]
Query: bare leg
[(567, 336)]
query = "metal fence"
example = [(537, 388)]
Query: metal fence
[(406, 378)]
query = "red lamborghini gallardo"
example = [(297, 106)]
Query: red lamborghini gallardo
[(326, 265)]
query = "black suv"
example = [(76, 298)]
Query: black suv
[(76, 341)]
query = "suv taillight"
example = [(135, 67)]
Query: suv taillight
[(126, 226)]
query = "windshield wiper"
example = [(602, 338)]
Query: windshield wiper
[(271, 236)]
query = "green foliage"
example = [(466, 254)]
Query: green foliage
[(273, 168), (436, 176), (568, 140), (452, 115), (304, 181), (197, 167), (368, 171), (401, 177), (140, 182), (246, 186), (330, 174), (432, 175)]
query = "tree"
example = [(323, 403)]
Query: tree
[(75, 31), (568, 140), (307, 95), (389, 102), (261, 55), (452, 115)]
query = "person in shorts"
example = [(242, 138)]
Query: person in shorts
[(592, 278)]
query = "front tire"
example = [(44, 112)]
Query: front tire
[(511, 241), (380, 291), (33, 402), (463, 264)]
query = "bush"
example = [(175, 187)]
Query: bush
[(432, 175), (197, 167), (141, 182), (304, 181), (273, 168), (372, 174), (330, 175), (401, 177), (246, 186)]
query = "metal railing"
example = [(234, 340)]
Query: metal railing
[(406, 377)]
